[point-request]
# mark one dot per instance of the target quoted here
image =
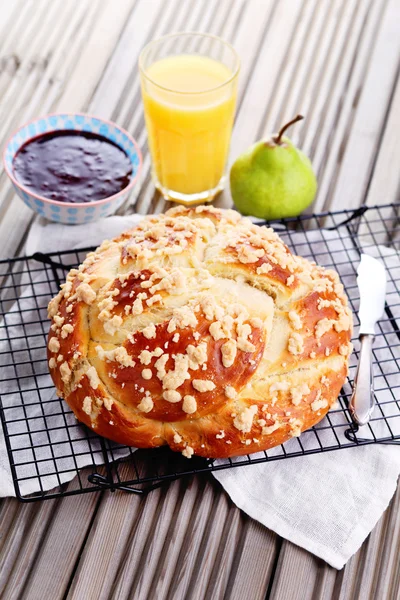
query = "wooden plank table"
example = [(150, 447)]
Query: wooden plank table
[(336, 61)]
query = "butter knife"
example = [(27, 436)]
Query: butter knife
[(371, 281)]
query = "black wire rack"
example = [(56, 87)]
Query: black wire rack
[(52, 455)]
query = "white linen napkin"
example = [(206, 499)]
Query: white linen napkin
[(327, 503)]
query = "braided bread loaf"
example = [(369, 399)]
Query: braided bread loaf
[(199, 330)]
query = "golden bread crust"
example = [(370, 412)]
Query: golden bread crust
[(199, 330)]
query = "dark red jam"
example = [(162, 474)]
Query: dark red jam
[(72, 166)]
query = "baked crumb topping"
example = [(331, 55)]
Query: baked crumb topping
[(295, 320), (85, 293), (228, 351), (203, 385), (264, 268), (147, 374), (298, 393), (93, 377), (54, 344), (244, 420), (318, 404), (270, 428), (188, 452), (189, 405), (87, 405), (230, 392), (65, 372), (119, 355), (197, 355), (172, 396), (66, 330), (146, 404), (296, 344), (149, 332)]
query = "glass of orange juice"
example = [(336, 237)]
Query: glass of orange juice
[(189, 84)]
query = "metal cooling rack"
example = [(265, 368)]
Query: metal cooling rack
[(50, 451)]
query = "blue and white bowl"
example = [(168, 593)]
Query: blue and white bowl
[(72, 212)]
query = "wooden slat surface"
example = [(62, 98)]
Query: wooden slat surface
[(336, 61)]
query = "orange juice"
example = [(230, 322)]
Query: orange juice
[(189, 103)]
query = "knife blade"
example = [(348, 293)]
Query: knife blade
[(371, 281)]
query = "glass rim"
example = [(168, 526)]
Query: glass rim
[(182, 34)]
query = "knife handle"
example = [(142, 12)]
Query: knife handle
[(363, 400)]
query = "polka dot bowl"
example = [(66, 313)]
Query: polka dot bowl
[(72, 213)]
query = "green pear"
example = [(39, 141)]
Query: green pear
[(273, 179)]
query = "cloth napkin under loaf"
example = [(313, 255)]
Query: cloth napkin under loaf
[(327, 503)]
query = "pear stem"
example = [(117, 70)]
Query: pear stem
[(277, 139)]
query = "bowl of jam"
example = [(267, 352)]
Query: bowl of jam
[(72, 168)]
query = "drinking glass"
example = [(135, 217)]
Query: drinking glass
[(189, 86)]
